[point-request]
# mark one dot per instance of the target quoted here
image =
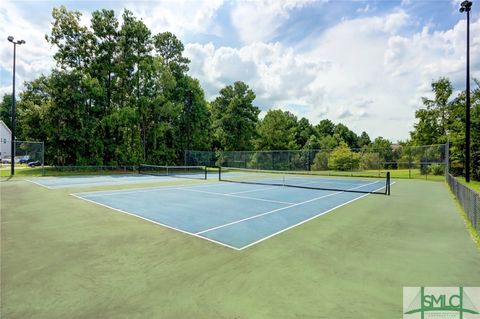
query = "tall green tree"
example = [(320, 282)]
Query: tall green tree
[(383, 147), (6, 110), (364, 139), (442, 119), (234, 117), (73, 41), (194, 129), (346, 135), (170, 49), (305, 131), (72, 118), (475, 132), (105, 39), (35, 104), (134, 45), (436, 116), (277, 131), (325, 127)]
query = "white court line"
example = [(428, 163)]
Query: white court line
[(99, 183), (28, 180), (237, 196), (306, 220), (155, 222), (277, 210), (104, 182), (143, 189), (128, 190)]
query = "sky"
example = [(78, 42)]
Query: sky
[(366, 64)]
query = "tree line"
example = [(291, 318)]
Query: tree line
[(120, 95), (442, 119)]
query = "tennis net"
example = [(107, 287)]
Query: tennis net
[(193, 172), (307, 180)]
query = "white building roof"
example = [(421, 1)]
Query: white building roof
[(4, 127)]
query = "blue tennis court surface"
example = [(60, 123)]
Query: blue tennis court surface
[(99, 180), (231, 214)]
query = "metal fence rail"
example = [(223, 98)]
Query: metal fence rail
[(468, 198)]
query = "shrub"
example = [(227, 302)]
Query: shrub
[(437, 169), (424, 169), (320, 162), (370, 161), (343, 159)]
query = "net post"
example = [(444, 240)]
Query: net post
[(388, 184), (205, 172), (219, 173)]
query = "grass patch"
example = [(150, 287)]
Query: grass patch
[(24, 171), (474, 185), (70, 171), (394, 173), (471, 229)]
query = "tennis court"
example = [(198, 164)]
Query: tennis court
[(56, 244), (243, 210), (145, 174)]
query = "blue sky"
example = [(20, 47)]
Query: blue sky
[(363, 63)]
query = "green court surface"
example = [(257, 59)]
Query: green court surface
[(62, 257)]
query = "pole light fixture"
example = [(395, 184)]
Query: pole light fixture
[(13, 113)]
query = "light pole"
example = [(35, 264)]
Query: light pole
[(12, 153), (465, 6)]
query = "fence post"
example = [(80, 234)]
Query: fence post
[(379, 163), (409, 162), (43, 158), (351, 162), (288, 160), (447, 158), (309, 160)]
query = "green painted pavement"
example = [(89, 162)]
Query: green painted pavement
[(65, 258)]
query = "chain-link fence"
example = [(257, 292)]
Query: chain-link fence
[(92, 169), (468, 199), (402, 161), (27, 154), (27, 151)]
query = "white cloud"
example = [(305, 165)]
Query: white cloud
[(259, 20), (34, 57), (277, 75), (361, 72), (364, 9), (180, 17)]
